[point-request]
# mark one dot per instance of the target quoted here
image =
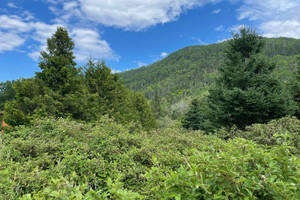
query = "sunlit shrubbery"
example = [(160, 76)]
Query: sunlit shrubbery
[(64, 159), (269, 134)]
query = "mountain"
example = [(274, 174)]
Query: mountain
[(187, 70)]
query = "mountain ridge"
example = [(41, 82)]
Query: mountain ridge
[(193, 67)]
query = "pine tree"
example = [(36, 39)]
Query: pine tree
[(57, 63), (245, 91), (194, 119)]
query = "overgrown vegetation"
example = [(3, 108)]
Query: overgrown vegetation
[(80, 134), (64, 159)]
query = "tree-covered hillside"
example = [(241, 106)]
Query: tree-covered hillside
[(183, 72)]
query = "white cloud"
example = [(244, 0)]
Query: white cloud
[(288, 28), (219, 28), (164, 54), (236, 28), (220, 41), (11, 5), (133, 15), (141, 64), (70, 5), (14, 23), (89, 44), (217, 11), (113, 71), (16, 31), (9, 41), (199, 41), (275, 17)]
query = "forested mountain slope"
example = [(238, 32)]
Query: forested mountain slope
[(183, 72)]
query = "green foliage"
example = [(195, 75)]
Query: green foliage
[(57, 64), (238, 169), (7, 93), (267, 134), (184, 72), (296, 87), (62, 90), (146, 117), (246, 92), (195, 118), (64, 159)]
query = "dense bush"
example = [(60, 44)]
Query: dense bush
[(269, 134), (63, 159)]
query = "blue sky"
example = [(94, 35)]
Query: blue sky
[(130, 33)]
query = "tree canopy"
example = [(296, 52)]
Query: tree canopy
[(63, 90)]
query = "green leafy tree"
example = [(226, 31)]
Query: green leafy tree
[(245, 91)]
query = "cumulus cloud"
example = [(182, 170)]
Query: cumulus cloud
[(133, 15), (288, 28), (15, 31), (275, 18), (89, 44), (164, 54)]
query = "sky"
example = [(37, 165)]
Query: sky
[(128, 34)]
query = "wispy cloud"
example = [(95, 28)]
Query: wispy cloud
[(219, 28), (10, 41), (217, 11), (11, 5)]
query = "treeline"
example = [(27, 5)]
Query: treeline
[(185, 72), (61, 89)]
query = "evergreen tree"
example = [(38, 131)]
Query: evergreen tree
[(57, 63), (245, 91), (194, 119), (59, 74), (146, 117), (296, 88), (7, 93)]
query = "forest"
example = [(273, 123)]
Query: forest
[(219, 121)]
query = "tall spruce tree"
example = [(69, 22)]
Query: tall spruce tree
[(57, 63), (194, 119), (245, 91)]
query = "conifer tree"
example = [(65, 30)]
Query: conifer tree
[(145, 115), (296, 88), (245, 91), (57, 63), (193, 119), (7, 93)]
